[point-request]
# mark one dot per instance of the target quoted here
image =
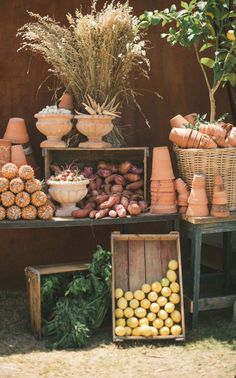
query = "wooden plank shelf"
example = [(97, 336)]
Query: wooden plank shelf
[(72, 222)]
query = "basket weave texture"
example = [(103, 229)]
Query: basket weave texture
[(211, 162)]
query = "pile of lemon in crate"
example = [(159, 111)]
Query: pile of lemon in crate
[(151, 310)]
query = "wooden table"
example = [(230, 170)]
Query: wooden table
[(194, 228)]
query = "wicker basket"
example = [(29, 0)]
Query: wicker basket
[(211, 162)]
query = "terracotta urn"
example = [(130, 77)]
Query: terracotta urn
[(18, 156), (94, 127), (178, 121), (5, 152), (161, 164), (66, 102), (191, 118), (232, 137), (54, 127), (16, 131), (67, 194)]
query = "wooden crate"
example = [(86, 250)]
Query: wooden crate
[(139, 259), (33, 276), (137, 155)]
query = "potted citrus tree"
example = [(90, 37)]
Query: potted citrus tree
[(93, 57)]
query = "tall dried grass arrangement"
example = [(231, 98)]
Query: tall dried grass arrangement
[(95, 54)]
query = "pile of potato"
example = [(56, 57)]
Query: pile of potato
[(114, 191), (21, 196), (152, 310)]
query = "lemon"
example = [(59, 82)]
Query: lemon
[(134, 303), (171, 275), (128, 331), (120, 331), (132, 322), (120, 322), (140, 312), (136, 331), (152, 296), (165, 282), (174, 298), (128, 295), (122, 303), (154, 331), (173, 264), (176, 316), (162, 314), (145, 330), (143, 321), (118, 293), (128, 312), (169, 307), (146, 288), (162, 301), (119, 313), (174, 286), (230, 35), (154, 307), (165, 291), (139, 294), (156, 286), (176, 330), (169, 322), (164, 331), (151, 316), (158, 323), (145, 303)]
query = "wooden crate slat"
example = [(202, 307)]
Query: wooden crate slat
[(61, 268), (121, 272), (136, 264), (153, 259), (168, 252)]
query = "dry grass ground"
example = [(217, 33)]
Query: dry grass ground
[(208, 352)]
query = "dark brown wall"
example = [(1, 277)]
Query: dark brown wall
[(174, 74)]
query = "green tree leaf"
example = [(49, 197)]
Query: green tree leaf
[(208, 62), (205, 46)]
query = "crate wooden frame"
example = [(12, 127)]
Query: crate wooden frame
[(33, 280), (130, 271), (211, 162), (83, 155)]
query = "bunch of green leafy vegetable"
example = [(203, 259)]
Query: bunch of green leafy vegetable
[(82, 306)]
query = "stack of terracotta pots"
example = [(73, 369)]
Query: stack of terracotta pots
[(183, 195), (219, 200), (163, 195), (189, 138), (197, 201)]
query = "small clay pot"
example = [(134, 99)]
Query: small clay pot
[(191, 118), (180, 185), (66, 102), (161, 164), (182, 199), (197, 210), (232, 137), (207, 142), (16, 131), (163, 209), (199, 181), (197, 140), (192, 138), (212, 130), (220, 211), (219, 198), (227, 126), (218, 180), (180, 136), (18, 156), (178, 121), (198, 196)]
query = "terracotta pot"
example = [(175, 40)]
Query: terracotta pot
[(54, 127), (197, 210), (161, 164), (180, 136), (218, 180), (232, 137), (16, 131), (182, 199), (178, 121), (18, 156), (222, 142), (192, 138), (220, 211), (94, 127), (197, 140), (198, 196), (212, 130), (66, 102), (163, 209), (199, 181), (181, 186), (207, 142), (5, 153), (219, 198), (191, 118), (227, 126)]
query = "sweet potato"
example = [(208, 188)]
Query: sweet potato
[(132, 177), (110, 202), (119, 180), (101, 213), (121, 211), (92, 214), (104, 172), (134, 209), (135, 185), (109, 179), (81, 213), (124, 167), (87, 171), (136, 170), (117, 189), (102, 165), (90, 205), (92, 184), (112, 214), (107, 188), (143, 205), (102, 198), (124, 201), (127, 193), (98, 182)]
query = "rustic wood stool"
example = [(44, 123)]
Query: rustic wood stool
[(33, 276)]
